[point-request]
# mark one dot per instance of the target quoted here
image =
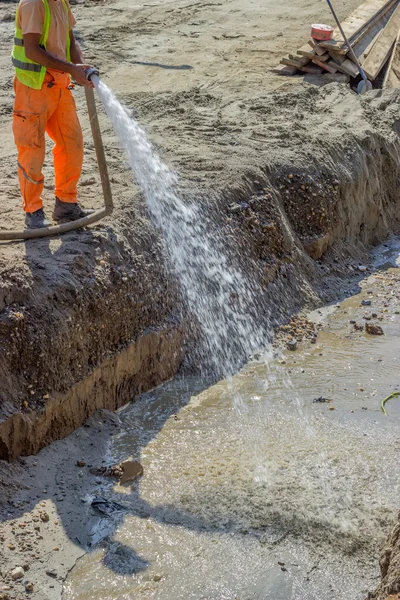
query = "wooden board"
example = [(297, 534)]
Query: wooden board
[(327, 66), (299, 62), (347, 67), (284, 70), (316, 47), (312, 69), (389, 75), (364, 46), (338, 58), (307, 50), (309, 54), (388, 8), (381, 49), (358, 23)]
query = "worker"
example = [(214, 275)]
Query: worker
[(45, 57)]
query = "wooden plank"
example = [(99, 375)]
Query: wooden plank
[(312, 69), (358, 23), (336, 46), (338, 58), (316, 47), (310, 55), (299, 62), (388, 8), (393, 81), (347, 67), (284, 70), (306, 49), (331, 68), (381, 49), (363, 47), (391, 62)]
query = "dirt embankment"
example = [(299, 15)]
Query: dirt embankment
[(389, 588)]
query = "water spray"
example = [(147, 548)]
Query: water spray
[(91, 74)]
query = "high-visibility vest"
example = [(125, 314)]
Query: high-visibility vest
[(27, 71)]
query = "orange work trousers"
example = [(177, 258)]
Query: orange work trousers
[(49, 110)]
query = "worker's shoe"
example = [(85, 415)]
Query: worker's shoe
[(36, 220), (69, 211)]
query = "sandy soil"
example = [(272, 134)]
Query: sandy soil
[(321, 165)]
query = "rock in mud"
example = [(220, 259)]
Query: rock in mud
[(131, 470), (292, 345), (373, 329), (126, 471)]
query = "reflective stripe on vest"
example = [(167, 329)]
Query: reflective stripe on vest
[(18, 64), (28, 71)]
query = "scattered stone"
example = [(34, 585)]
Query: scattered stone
[(331, 408), (51, 574), (291, 345), (321, 399), (80, 463), (366, 302), (17, 573), (131, 470), (358, 327), (126, 471), (373, 329), (29, 587), (44, 517), (157, 577), (362, 268)]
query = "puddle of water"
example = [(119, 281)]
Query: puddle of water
[(250, 473)]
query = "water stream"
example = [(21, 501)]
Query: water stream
[(217, 293)]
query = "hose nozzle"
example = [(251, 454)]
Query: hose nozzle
[(92, 71)]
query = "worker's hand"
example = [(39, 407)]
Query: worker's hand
[(78, 73)]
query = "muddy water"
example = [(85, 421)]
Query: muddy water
[(251, 489)]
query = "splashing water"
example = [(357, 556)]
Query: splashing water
[(219, 295)]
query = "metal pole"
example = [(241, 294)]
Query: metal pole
[(98, 144)]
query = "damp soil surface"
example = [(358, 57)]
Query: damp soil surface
[(270, 485)]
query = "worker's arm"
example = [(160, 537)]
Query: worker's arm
[(34, 52)]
